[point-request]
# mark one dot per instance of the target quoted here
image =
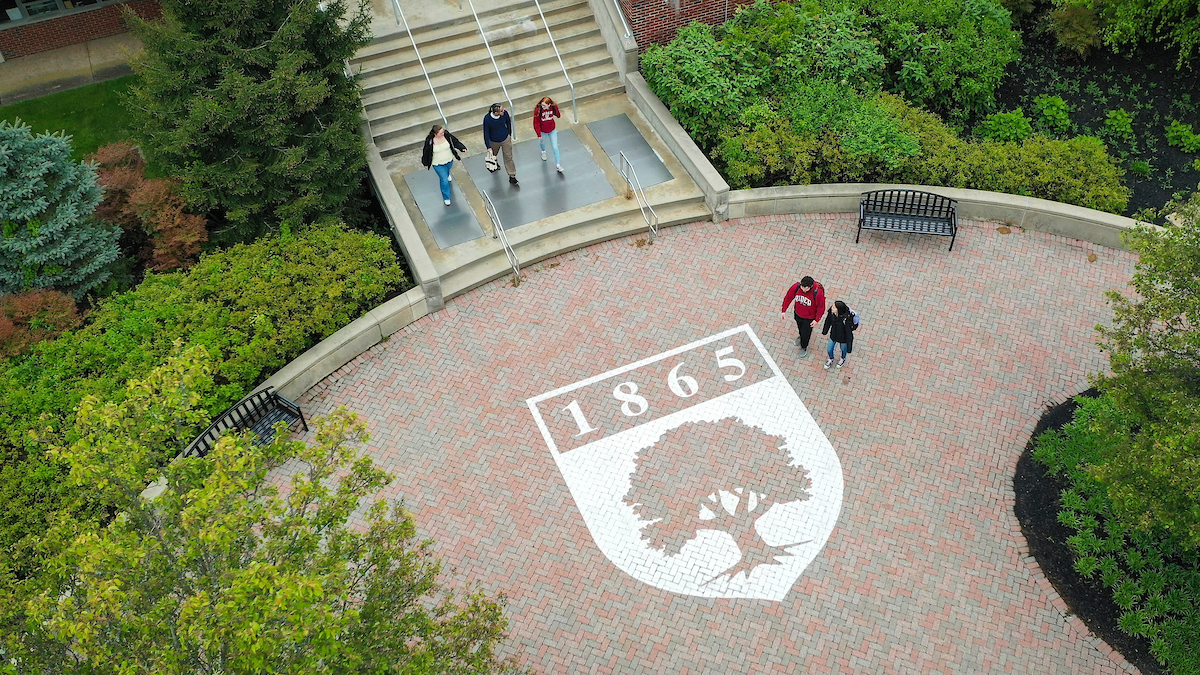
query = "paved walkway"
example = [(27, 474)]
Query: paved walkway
[(925, 569)]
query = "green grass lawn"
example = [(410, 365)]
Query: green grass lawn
[(93, 115)]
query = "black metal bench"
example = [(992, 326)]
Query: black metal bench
[(908, 211), (258, 412)]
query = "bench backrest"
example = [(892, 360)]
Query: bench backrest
[(908, 202), (242, 415)]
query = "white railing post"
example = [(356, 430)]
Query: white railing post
[(635, 186), (483, 35), (400, 18), (499, 233), (574, 106)]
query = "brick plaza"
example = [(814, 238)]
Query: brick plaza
[(925, 570)]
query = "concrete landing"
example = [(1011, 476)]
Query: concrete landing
[(450, 225), (543, 192), (617, 134)]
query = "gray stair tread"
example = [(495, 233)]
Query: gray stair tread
[(450, 225), (618, 134), (543, 191)]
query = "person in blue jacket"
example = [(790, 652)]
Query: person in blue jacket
[(497, 137)]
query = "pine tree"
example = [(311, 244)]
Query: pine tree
[(48, 237), (249, 105)]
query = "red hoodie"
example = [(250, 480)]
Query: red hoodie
[(810, 305), (543, 120)]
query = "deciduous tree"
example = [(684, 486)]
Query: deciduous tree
[(1153, 475), (224, 572)]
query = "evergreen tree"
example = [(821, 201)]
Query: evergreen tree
[(248, 103), (48, 238)]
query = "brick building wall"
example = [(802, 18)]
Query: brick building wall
[(72, 29), (656, 21)]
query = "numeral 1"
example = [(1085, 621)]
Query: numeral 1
[(580, 420)]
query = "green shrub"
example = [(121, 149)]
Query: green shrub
[(693, 78), (1005, 126), (1075, 171), (253, 307), (1153, 576), (1180, 135), (1076, 27), (1118, 124), (946, 55), (826, 134), (1140, 168), (786, 45), (1125, 23), (1052, 115)]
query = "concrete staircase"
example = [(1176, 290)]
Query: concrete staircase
[(400, 107)]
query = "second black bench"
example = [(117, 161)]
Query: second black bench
[(910, 211)]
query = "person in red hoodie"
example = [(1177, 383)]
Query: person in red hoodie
[(543, 123), (808, 297)]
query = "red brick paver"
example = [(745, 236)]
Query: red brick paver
[(925, 571)]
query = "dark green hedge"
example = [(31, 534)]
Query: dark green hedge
[(254, 307)]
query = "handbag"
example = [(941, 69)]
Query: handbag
[(491, 163)]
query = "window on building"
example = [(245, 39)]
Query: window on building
[(25, 10)]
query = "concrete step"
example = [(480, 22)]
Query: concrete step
[(469, 89), (533, 243), (491, 18), (467, 39), (378, 75), (465, 121)]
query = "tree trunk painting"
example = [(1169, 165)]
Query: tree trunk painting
[(720, 475)]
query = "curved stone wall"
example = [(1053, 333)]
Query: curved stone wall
[(1031, 213)]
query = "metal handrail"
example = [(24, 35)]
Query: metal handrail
[(574, 106), (400, 18), (635, 186), (499, 233), (482, 34), (628, 30)]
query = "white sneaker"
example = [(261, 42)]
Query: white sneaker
[(447, 202), (841, 362), (559, 167), (543, 155), (828, 362)]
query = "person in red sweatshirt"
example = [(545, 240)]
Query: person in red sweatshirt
[(543, 123), (808, 297)]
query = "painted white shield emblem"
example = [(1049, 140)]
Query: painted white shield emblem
[(698, 471)]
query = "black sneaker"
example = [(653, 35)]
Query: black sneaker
[(513, 180)]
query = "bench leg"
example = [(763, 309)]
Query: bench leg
[(859, 233), (952, 240)]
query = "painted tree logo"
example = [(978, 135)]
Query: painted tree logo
[(721, 475)]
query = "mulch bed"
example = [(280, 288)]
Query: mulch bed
[(1037, 510), (1144, 82)]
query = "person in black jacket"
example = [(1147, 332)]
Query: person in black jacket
[(840, 324), (440, 151)]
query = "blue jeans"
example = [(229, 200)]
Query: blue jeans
[(553, 144), (443, 172), (830, 350)]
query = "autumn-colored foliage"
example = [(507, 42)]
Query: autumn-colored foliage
[(29, 318), (152, 205)]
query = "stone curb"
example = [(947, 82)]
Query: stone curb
[(1066, 220), (1071, 623), (716, 190)]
